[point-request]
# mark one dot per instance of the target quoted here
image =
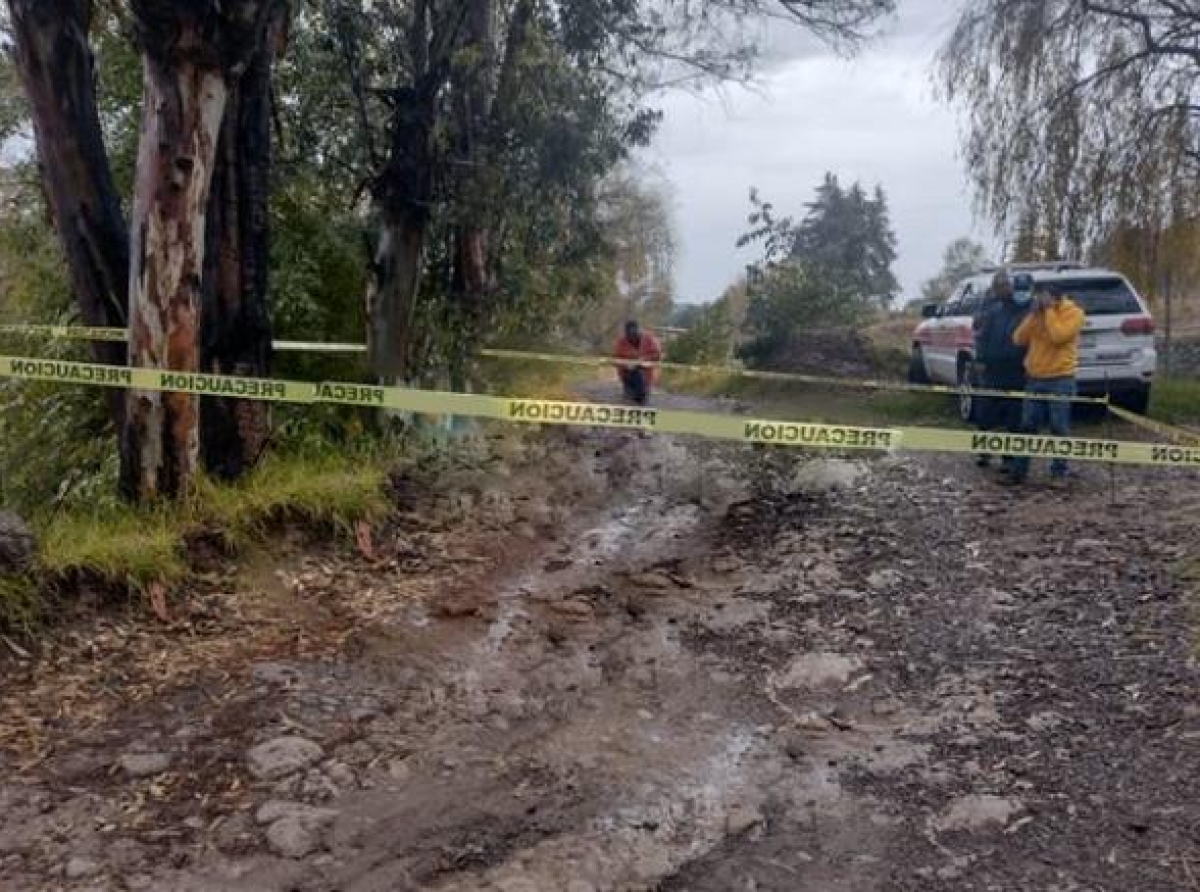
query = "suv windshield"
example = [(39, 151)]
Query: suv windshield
[(1101, 297)]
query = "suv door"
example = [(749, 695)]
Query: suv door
[(941, 358)]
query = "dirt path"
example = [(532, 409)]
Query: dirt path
[(646, 664)]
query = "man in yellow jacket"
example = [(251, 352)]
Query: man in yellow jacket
[(1051, 336)]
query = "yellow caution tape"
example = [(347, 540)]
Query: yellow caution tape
[(1170, 431), (795, 377), (769, 432), (68, 332), (86, 333), (119, 334)]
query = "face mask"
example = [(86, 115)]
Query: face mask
[(1022, 298)]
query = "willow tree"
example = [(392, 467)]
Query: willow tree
[(1079, 116)]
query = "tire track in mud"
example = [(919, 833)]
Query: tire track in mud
[(731, 669)]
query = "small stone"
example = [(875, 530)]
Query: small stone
[(140, 765), (574, 611), (282, 756), (399, 769), (818, 670), (291, 838), (825, 475), (81, 868), (234, 835), (741, 819), (881, 580), (275, 673), (276, 810), (886, 707), (977, 812), (341, 774)]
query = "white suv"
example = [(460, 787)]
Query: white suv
[(1116, 349)]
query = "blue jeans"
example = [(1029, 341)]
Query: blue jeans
[(635, 383), (1037, 414)]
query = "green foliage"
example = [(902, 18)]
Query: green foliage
[(130, 548), (961, 258), (329, 491), (1061, 100), (712, 330), (788, 300), (831, 269), (57, 445), (318, 279), (115, 544), (21, 604), (1175, 401)]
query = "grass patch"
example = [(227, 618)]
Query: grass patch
[(21, 604), (909, 407), (708, 383), (1175, 400), (117, 544), (128, 548), (329, 491), (532, 378)]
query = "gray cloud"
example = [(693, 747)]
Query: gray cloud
[(872, 118)]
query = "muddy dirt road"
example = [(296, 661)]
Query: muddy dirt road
[(615, 662)]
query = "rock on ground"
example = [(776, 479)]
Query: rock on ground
[(296, 829), (823, 475), (282, 756), (139, 765), (81, 868)]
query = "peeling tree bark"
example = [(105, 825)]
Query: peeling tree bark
[(55, 62), (193, 53), (184, 105), (235, 321), (402, 193)]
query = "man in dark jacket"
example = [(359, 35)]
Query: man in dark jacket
[(1002, 361)]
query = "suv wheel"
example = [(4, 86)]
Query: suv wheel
[(968, 403), (917, 373)]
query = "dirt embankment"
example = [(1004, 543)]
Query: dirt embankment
[(618, 662)]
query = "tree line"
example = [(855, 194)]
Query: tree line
[(465, 144)]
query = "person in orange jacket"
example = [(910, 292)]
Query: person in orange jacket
[(1051, 335), (638, 346)]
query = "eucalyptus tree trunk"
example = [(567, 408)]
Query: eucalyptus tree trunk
[(193, 53), (403, 193), (54, 58), (235, 322)]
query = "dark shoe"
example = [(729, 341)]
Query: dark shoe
[(1010, 478)]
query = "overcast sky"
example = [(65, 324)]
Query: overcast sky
[(872, 118)]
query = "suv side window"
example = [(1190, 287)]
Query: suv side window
[(971, 300), (955, 306)]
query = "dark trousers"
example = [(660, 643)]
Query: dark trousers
[(1001, 413), (636, 384)]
